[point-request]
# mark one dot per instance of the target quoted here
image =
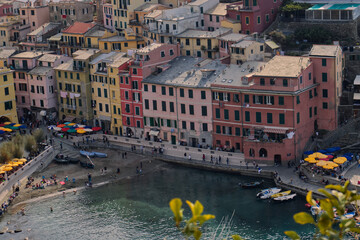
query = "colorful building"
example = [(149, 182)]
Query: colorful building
[(5, 54), (177, 102), (201, 43), (146, 61), (105, 81), (34, 15), (117, 43), (213, 17), (108, 14), (227, 40), (7, 97), (74, 87), (247, 50)]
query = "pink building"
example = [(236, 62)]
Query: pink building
[(6, 9), (213, 17), (34, 16), (177, 102), (42, 85), (254, 15), (107, 13), (147, 60), (226, 41)]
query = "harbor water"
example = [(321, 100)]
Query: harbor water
[(138, 208)]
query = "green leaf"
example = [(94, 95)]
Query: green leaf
[(309, 199), (236, 237), (303, 218), (292, 234), (196, 208), (346, 185), (197, 234), (355, 230), (324, 223), (203, 218), (326, 205), (336, 187), (175, 206)]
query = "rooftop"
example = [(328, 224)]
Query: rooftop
[(147, 7), (56, 37), (232, 75), (84, 54), (44, 29), (6, 52), (219, 10), (198, 2), (285, 66), (49, 58), (40, 70), (357, 80), (79, 27), (29, 54), (107, 57), (149, 48), (119, 61), (243, 44), (186, 71), (272, 44), (324, 50), (233, 37), (98, 33), (335, 6), (154, 14), (192, 33), (115, 39)]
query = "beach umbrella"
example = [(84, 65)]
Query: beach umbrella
[(333, 164), (7, 123), (15, 159), (57, 129), (7, 168), (14, 128), (66, 123), (328, 167), (78, 128), (339, 161), (88, 130), (71, 130), (96, 129), (81, 131), (23, 126), (309, 159), (2, 131), (17, 125), (308, 152), (71, 124), (22, 160), (1, 125), (87, 127), (313, 161), (330, 156), (321, 163), (2, 172), (61, 125), (81, 126), (65, 129), (6, 129), (62, 183), (7, 126)]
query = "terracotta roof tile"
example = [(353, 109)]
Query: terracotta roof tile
[(79, 27)]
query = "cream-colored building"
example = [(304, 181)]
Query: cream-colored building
[(7, 97), (247, 50)]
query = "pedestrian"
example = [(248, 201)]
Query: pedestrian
[(89, 178), (204, 157), (118, 171), (259, 170), (185, 155), (141, 165), (219, 159), (227, 161), (125, 154), (189, 157), (291, 180), (60, 145), (137, 169), (51, 209), (211, 159)]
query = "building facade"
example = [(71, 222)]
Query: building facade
[(8, 103)]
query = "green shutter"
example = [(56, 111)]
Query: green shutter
[(281, 118), (258, 117)]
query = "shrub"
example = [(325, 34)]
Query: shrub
[(30, 144), (39, 135)]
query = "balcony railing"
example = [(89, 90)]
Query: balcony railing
[(71, 107)]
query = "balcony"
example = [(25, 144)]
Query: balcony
[(71, 107), (67, 44), (78, 68)]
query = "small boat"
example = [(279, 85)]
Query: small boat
[(251, 184), (100, 155), (60, 158), (73, 160), (285, 198), (86, 164), (280, 194), (266, 193), (85, 153)]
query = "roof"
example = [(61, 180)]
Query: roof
[(119, 61), (107, 57), (232, 75), (98, 33), (49, 58), (149, 48), (147, 7), (29, 54), (67, 66), (183, 71), (115, 39), (84, 54), (219, 10), (324, 50), (198, 2), (272, 44), (6, 52), (233, 37), (154, 14), (285, 66), (79, 27), (336, 6), (56, 37), (40, 70), (357, 80), (243, 44), (192, 33), (44, 28)]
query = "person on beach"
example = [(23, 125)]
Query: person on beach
[(140, 165), (51, 209), (204, 157), (118, 171), (64, 193), (189, 157), (60, 145), (227, 161)]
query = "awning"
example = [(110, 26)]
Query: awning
[(69, 118), (356, 96), (275, 130), (154, 133), (43, 113)]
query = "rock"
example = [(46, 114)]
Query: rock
[(10, 231), (17, 230)]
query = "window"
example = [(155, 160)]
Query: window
[(153, 88), (210, 18), (247, 116), (187, 41), (258, 19), (247, 20), (154, 105), (246, 98), (146, 104), (203, 95), (163, 106), (310, 112), (237, 131), (183, 111), (203, 110), (281, 118), (145, 87), (324, 77), (162, 54), (237, 115), (310, 94), (325, 93), (217, 113), (8, 104), (77, 76), (236, 98), (269, 118), (297, 99), (134, 71), (315, 111), (5, 78), (262, 82), (106, 107), (6, 91), (218, 129), (171, 52), (205, 127), (323, 62), (163, 90), (191, 93), (171, 106), (198, 42), (182, 94), (325, 105), (298, 117), (285, 82), (183, 124), (226, 114), (301, 79), (258, 117), (192, 126), (137, 111), (105, 93), (217, 19), (191, 109), (171, 91), (309, 75)]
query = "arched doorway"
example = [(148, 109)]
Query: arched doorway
[(277, 159), (252, 152), (4, 119), (263, 152)]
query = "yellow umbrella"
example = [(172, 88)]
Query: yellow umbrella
[(17, 125), (71, 124), (313, 161), (308, 159), (6, 129), (81, 131), (19, 163), (321, 163), (328, 167), (13, 165), (2, 172), (7, 123), (7, 169), (339, 161), (22, 160), (15, 159), (333, 164)]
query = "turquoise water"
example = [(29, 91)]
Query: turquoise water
[(138, 209)]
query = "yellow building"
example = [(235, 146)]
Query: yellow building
[(74, 86), (117, 43), (201, 43), (247, 50), (104, 74), (5, 53), (7, 97), (233, 24)]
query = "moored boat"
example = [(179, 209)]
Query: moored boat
[(285, 198), (266, 193), (86, 164), (100, 155), (85, 153), (60, 158), (250, 184), (280, 194)]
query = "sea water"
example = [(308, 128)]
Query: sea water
[(138, 208)]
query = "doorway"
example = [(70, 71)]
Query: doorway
[(277, 159), (173, 139)]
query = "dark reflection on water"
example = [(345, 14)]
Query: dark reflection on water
[(138, 209)]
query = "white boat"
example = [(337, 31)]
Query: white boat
[(285, 198), (266, 193)]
